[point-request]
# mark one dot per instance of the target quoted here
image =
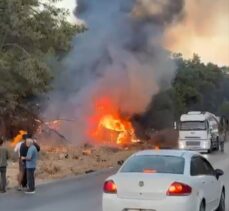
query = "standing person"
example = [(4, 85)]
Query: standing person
[(4, 156), (20, 163), (31, 163), (23, 153), (222, 133)]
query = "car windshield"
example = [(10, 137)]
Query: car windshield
[(154, 164), (193, 125)]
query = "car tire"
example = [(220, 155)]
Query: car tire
[(210, 150), (202, 206), (222, 202)]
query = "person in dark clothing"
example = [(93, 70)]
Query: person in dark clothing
[(21, 175), (4, 156), (222, 133), (23, 153)]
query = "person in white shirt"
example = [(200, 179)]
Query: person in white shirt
[(17, 148), (20, 163)]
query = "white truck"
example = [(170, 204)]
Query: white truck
[(199, 131)]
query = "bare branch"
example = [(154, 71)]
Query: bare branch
[(18, 47), (3, 40)]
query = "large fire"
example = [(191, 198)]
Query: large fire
[(108, 126)]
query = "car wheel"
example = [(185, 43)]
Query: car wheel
[(222, 202), (210, 150), (202, 207)]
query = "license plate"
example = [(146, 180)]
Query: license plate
[(192, 143)]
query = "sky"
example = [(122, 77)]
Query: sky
[(204, 31), (70, 5)]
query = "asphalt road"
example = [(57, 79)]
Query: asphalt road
[(83, 193)]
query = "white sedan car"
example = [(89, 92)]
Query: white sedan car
[(166, 180)]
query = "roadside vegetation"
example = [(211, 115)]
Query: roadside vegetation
[(35, 35), (196, 86)]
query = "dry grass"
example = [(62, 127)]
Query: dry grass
[(59, 162)]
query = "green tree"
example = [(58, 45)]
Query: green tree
[(31, 33), (224, 109), (197, 86)]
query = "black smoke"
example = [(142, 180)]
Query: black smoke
[(120, 56)]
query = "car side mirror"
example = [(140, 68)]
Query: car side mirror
[(219, 173)]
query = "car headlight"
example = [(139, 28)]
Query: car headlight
[(205, 144)]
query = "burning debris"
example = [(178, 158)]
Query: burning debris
[(48, 130), (44, 129), (108, 124), (114, 69), (54, 125)]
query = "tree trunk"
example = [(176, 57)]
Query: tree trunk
[(2, 127)]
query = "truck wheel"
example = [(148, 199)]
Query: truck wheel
[(211, 148), (217, 144), (209, 151)]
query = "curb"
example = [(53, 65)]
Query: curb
[(76, 177)]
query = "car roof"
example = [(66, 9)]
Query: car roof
[(178, 153)]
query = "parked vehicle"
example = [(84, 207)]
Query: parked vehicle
[(199, 131), (165, 180)]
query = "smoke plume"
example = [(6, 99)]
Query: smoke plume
[(120, 56)]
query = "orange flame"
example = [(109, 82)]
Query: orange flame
[(156, 147), (18, 137), (108, 126)]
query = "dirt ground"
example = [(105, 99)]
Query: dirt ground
[(60, 161)]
